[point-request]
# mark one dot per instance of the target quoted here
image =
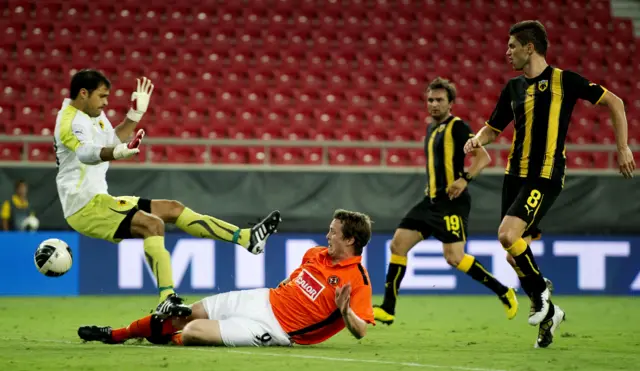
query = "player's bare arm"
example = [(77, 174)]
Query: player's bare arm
[(140, 98), (356, 326), (479, 161), (619, 121), (485, 136)]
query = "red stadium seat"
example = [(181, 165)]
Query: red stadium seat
[(41, 152), (10, 151), (579, 160), (342, 156)]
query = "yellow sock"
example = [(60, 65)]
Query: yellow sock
[(397, 259), (518, 248), (206, 226), (160, 262), (466, 263)]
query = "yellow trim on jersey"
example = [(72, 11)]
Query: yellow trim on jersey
[(66, 131), (557, 94), (83, 173), (529, 104), (487, 123), (448, 152), (603, 94), (432, 166), (513, 146)]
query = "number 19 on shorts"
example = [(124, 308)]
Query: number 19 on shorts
[(454, 224)]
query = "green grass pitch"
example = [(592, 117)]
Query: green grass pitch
[(430, 333)]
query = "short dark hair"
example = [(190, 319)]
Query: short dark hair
[(355, 225), (87, 79), (442, 83), (531, 32)]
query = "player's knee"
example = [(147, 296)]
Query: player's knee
[(167, 210), (399, 247), (192, 334), (453, 259), (152, 226), (453, 256), (507, 237), (174, 209)]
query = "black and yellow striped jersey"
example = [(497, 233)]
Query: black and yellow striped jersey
[(541, 108), (444, 150)]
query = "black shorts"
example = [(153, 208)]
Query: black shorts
[(124, 229), (529, 199), (446, 220)]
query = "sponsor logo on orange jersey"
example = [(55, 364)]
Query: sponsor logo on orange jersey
[(309, 285)]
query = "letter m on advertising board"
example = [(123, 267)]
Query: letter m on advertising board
[(194, 253)]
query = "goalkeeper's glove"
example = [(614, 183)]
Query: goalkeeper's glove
[(126, 150), (140, 99)]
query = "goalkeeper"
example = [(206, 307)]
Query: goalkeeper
[(85, 142)]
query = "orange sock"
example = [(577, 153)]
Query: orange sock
[(120, 335), (176, 339), (141, 329)]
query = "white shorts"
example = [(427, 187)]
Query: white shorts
[(246, 318)]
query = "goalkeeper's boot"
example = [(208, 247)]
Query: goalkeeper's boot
[(510, 303), (96, 333), (379, 314), (261, 231), (540, 304), (173, 306), (548, 328)]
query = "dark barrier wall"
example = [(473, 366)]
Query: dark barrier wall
[(588, 204)]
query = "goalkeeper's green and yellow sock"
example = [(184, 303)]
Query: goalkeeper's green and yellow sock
[(160, 262), (206, 226)]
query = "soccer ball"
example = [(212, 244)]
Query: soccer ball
[(30, 224), (53, 257)]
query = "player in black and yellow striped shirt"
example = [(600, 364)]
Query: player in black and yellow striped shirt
[(444, 211), (540, 102)]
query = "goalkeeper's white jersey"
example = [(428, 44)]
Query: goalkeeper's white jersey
[(78, 183)]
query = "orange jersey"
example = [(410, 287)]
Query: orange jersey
[(306, 306)]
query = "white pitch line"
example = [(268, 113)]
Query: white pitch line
[(283, 355)]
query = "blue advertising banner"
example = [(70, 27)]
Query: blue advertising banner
[(577, 265), (19, 275)]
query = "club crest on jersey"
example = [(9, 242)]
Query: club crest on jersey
[(333, 280), (309, 285), (543, 84), (101, 124)]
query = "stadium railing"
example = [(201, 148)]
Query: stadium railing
[(267, 145)]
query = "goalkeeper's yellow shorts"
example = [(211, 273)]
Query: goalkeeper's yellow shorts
[(102, 216)]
